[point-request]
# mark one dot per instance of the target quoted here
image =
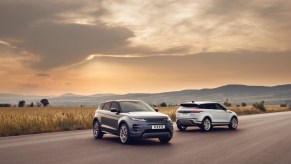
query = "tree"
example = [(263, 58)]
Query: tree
[(44, 102), (260, 106), (31, 104), (21, 103), (243, 104), (283, 105), (163, 104), (227, 103)]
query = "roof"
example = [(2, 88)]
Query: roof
[(200, 102), (121, 100)]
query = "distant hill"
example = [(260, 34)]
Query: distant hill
[(234, 93)]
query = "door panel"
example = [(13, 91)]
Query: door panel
[(224, 115), (211, 108), (113, 117), (105, 116)]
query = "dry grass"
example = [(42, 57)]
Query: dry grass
[(18, 121)]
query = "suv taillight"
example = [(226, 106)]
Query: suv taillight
[(196, 111)]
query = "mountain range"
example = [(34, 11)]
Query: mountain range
[(236, 94)]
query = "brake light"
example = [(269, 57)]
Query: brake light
[(196, 111)]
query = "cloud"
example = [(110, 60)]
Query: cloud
[(43, 74), (207, 26), (48, 30), (65, 44), (105, 44)]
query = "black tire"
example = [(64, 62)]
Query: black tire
[(206, 124), (165, 140), (181, 128), (233, 123), (97, 132), (124, 134)]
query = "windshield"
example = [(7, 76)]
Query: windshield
[(135, 106)]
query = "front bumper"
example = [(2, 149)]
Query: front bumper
[(145, 130)]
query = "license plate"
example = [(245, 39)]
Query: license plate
[(158, 127)]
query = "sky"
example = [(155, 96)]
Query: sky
[(51, 47)]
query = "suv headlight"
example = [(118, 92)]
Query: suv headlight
[(137, 119), (169, 119)]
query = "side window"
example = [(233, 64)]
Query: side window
[(210, 106), (202, 106), (101, 106), (106, 106), (219, 107), (114, 105)]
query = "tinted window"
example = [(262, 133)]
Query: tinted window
[(114, 105), (202, 106), (189, 105), (101, 106), (106, 106), (218, 106), (210, 106), (135, 106)]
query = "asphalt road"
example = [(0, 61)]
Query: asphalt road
[(263, 138)]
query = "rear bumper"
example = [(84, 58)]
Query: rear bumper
[(188, 122)]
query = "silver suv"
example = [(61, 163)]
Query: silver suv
[(131, 119)]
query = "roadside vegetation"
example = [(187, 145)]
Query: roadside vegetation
[(28, 120)]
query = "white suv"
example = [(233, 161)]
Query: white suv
[(205, 115)]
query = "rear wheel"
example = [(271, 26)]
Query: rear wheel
[(165, 140), (124, 134), (233, 123), (97, 132), (206, 125), (181, 128)]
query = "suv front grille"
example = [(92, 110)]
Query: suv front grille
[(156, 120)]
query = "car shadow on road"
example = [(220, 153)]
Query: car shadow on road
[(135, 142), (213, 130)]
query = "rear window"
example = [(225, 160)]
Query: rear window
[(189, 105)]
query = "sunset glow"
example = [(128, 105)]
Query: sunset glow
[(89, 47)]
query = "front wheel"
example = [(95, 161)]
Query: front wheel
[(181, 128), (124, 134), (165, 140), (233, 123), (206, 125), (97, 132)]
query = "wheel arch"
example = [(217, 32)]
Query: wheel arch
[(207, 117), (122, 122), (95, 119), (234, 116)]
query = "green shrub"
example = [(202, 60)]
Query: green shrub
[(283, 105), (243, 104), (163, 104), (260, 106)]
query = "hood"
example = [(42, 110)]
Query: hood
[(144, 114)]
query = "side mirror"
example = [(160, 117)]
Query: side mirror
[(113, 110), (156, 109)]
